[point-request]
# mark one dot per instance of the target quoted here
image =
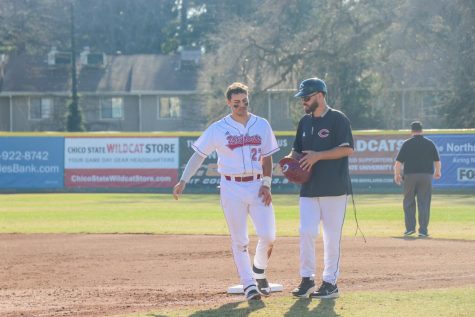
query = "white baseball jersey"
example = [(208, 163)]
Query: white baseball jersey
[(239, 147)]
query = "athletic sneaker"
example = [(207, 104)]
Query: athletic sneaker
[(409, 232), (423, 235), (306, 287), (251, 293), (326, 290), (263, 286)]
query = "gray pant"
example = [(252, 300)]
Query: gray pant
[(420, 186)]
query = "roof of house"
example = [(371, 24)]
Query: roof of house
[(122, 73)]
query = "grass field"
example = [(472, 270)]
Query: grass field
[(427, 303), (452, 217)]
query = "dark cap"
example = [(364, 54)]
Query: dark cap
[(310, 86), (416, 126)]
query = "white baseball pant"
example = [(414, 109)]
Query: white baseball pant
[(330, 212), (238, 200)]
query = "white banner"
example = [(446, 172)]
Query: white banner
[(127, 153)]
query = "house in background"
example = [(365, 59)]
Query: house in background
[(117, 92)]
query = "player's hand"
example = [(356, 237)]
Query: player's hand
[(178, 189), (437, 175), (397, 179), (307, 161), (264, 192)]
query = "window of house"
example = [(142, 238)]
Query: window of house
[(41, 108), (169, 107), (112, 108)]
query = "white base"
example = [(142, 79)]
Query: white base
[(238, 289)]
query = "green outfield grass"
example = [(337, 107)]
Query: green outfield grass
[(453, 216), (427, 303)]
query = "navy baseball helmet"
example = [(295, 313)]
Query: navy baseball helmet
[(310, 86)]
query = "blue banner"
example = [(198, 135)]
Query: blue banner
[(31, 162), (36, 162), (457, 155), (371, 167)]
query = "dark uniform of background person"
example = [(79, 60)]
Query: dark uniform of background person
[(421, 162)]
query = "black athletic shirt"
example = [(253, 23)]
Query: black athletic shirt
[(418, 155), (329, 177)]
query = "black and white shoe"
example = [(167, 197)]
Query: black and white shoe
[(263, 286), (409, 232), (326, 290), (251, 293), (423, 235), (306, 287)]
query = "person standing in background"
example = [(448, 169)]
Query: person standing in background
[(420, 161)]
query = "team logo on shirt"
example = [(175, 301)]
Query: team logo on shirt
[(323, 133), (236, 141)]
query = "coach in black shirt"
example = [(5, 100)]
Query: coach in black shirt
[(421, 162), (323, 143)]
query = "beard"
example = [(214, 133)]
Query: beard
[(311, 108)]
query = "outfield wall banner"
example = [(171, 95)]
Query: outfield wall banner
[(156, 162), (121, 162), (31, 162), (371, 165), (457, 155)]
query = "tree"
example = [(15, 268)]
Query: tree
[(368, 51), (128, 27), (430, 48), (460, 16), (31, 27), (282, 42), (196, 21)]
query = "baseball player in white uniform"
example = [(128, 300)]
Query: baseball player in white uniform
[(244, 143)]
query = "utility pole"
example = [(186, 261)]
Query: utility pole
[(74, 119)]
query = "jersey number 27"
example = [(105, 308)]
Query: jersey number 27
[(256, 154)]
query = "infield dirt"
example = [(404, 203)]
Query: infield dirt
[(103, 275)]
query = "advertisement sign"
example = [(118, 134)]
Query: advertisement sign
[(116, 162), (157, 162), (31, 162), (371, 165), (457, 155)]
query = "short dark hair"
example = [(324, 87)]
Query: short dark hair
[(236, 88), (416, 126)]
